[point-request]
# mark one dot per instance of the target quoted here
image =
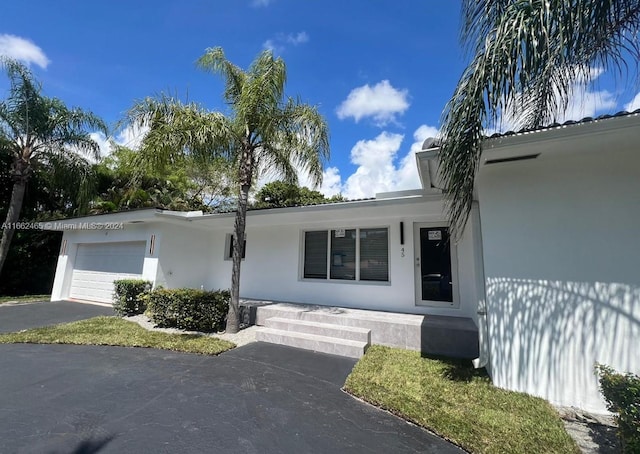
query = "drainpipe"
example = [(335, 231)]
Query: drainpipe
[(483, 327)]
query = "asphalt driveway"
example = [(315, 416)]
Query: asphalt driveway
[(16, 317), (260, 398)]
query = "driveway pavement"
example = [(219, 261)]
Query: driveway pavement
[(260, 398), (16, 317)]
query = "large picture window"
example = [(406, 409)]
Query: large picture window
[(347, 254)]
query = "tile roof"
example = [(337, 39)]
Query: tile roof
[(432, 142), (328, 202), (584, 120)]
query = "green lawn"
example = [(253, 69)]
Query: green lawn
[(24, 298), (116, 331), (458, 402)]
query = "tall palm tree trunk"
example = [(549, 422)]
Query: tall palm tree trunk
[(246, 177), (233, 317), (13, 214)]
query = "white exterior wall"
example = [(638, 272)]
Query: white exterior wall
[(68, 250), (562, 263), (185, 256), (272, 268)]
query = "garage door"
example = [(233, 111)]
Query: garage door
[(97, 265)]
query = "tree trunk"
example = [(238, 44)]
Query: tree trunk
[(233, 317), (245, 179), (15, 206)]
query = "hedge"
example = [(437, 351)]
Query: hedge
[(622, 393), (189, 309), (129, 296)]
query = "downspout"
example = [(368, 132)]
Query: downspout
[(483, 326)]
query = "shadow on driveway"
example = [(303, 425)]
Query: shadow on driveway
[(16, 317), (260, 398)]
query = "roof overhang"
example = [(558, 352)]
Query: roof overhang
[(578, 137)]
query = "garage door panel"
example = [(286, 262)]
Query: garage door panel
[(97, 265)]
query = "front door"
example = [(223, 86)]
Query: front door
[(433, 266)]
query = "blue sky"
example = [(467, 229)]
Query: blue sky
[(380, 71)]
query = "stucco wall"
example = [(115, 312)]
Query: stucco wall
[(271, 269), (562, 265), (185, 256)]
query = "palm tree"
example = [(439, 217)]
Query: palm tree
[(527, 57), (36, 129), (262, 130)]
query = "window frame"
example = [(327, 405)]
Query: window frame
[(227, 247), (357, 280)]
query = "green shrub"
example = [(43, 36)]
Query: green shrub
[(190, 309), (622, 392), (129, 296)]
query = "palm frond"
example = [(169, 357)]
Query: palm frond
[(176, 130), (215, 61), (528, 56)]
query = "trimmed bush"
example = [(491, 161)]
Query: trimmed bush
[(622, 393), (129, 296), (189, 309)]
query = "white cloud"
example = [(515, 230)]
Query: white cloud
[(634, 104), (130, 137), (260, 3), (281, 41), (382, 102), (586, 102), (330, 181), (23, 50), (379, 169)]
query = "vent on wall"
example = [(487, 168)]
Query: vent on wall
[(512, 159)]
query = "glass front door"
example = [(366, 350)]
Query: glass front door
[(434, 277)]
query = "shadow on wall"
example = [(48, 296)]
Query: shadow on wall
[(547, 335)]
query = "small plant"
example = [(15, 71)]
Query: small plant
[(129, 296), (622, 393), (189, 309)]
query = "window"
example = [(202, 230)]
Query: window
[(347, 254), (374, 255), (315, 258), (229, 247)]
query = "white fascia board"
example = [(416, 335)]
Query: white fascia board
[(338, 206), (127, 217)]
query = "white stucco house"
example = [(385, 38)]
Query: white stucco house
[(544, 282)]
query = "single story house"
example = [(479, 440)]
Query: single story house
[(547, 272)]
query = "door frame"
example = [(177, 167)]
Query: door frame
[(417, 276)]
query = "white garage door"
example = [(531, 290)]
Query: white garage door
[(97, 265)]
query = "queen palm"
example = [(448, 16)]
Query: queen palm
[(527, 57), (262, 130), (37, 130)]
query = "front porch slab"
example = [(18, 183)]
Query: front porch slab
[(432, 335)]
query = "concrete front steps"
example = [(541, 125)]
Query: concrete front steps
[(329, 338), (299, 325)]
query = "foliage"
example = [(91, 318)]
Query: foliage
[(263, 132), (116, 331), (36, 131), (278, 194), (31, 263), (124, 182), (25, 298), (458, 403), (129, 296), (527, 56), (189, 309), (622, 392)]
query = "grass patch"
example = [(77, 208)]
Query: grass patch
[(116, 331), (458, 402), (24, 298)]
